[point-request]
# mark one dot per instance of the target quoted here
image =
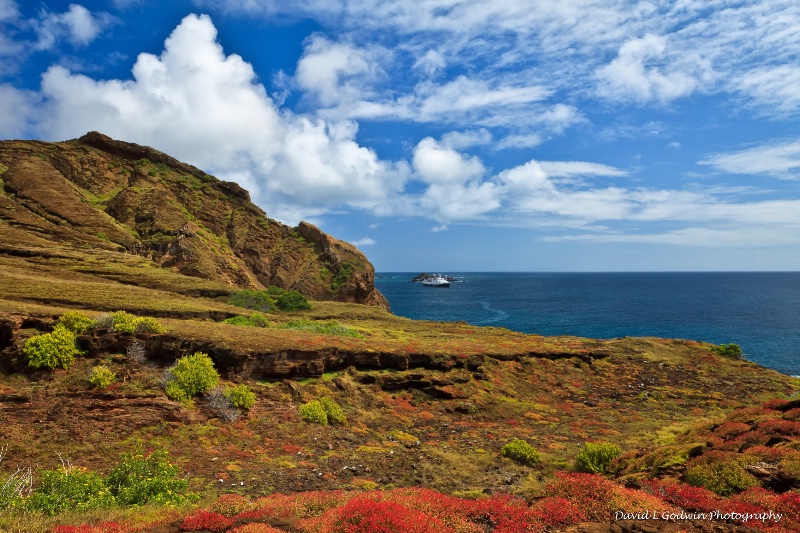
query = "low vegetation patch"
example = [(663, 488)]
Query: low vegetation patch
[(331, 327), (76, 322), (240, 396), (101, 377), (124, 322), (256, 320), (292, 301), (252, 299), (314, 412), (519, 450), (733, 351)]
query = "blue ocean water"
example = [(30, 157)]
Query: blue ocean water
[(760, 311)]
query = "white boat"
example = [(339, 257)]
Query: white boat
[(436, 280)]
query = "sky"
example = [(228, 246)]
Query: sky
[(450, 135)]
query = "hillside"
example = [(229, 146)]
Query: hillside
[(96, 194), (427, 408)]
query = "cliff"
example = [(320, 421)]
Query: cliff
[(101, 194)]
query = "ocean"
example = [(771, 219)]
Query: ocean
[(760, 311)]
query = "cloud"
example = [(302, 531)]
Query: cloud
[(364, 241), (77, 25), (779, 160), (632, 75), (459, 140), (437, 163), (17, 112), (568, 169), (205, 107), (8, 10)]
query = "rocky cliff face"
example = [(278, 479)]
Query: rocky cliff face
[(95, 192)]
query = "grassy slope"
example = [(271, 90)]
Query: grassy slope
[(554, 392)]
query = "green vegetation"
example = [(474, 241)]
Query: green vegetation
[(331, 327), (733, 351), (254, 320), (101, 377), (522, 452), (342, 276), (240, 396), (76, 322), (596, 457), (333, 410), (190, 376), (51, 350), (140, 479), (723, 477), (252, 299), (315, 412), (69, 488), (292, 301)]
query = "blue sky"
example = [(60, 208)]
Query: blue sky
[(450, 135)]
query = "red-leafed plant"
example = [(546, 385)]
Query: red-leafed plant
[(206, 520)]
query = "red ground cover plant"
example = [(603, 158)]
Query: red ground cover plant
[(104, 527), (780, 426), (363, 514), (255, 527), (206, 520), (231, 505)]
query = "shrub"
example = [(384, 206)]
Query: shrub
[(136, 353), (252, 299), (333, 410), (76, 322), (217, 401), (14, 486), (241, 396), (723, 477), (276, 291), (137, 480), (293, 301), (146, 324), (365, 515), (595, 458), (255, 320), (314, 411), (231, 505), (522, 452), (69, 488), (51, 350), (104, 321), (343, 275), (191, 374), (101, 377), (734, 351)]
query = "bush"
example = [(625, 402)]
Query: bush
[(723, 477), (522, 452), (255, 320), (595, 458), (136, 352), (342, 276), (314, 411), (69, 489), (733, 351), (241, 396), (101, 377), (217, 401), (332, 409), (276, 291), (51, 350), (138, 480), (127, 323), (192, 375), (252, 299), (76, 322), (293, 301)]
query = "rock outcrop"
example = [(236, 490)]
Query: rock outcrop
[(95, 192)]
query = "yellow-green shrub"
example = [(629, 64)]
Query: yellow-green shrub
[(125, 322), (522, 452), (51, 350), (76, 322), (333, 410), (723, 477), (314, 411), (595, 457), (241, 396), (101, 377), (191, 374)]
